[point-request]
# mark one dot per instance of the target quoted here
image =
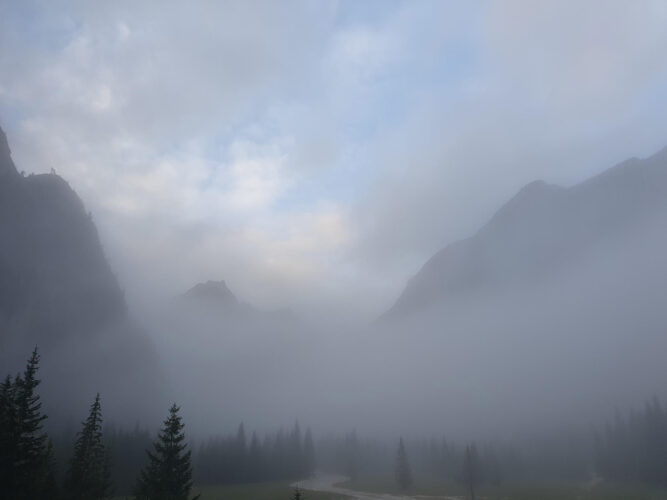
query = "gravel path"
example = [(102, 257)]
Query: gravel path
[(326, 483)]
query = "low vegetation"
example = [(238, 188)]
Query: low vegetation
[(626, 462), (258, 491)]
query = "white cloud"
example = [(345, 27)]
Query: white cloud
[(256, 177), (302, 145)]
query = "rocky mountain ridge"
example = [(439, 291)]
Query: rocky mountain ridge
[(543, 230)]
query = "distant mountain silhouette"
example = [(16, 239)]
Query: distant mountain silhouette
[(57, 291), (54, 278), (541, 232), (214, 291), (216, 297)]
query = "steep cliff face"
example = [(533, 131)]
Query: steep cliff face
[(54, 278), (57, 291), (543, 231)]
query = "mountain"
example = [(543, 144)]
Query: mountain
[(214, 291), (543, 232), (216, 298), (57, 291), (54, 278)]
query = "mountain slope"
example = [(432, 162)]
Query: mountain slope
[(541, 232), (54, 278), (57, 291), (215, 299)]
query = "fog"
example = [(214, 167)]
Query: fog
[(395, 218), (563, 349)]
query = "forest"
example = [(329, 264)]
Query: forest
[(101, 461)]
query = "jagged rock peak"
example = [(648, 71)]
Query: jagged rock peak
[(542, 231), (6, 164), (212, 290)]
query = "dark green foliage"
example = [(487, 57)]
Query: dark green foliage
[(8, 430), (403, 471), (26, 456), (48, 481), (88, 477), (32, 441), (168, 474), (127, 450)]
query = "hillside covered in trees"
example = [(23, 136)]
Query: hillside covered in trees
[(100, 459)]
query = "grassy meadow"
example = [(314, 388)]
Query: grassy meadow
[(433, 489), (257, 491)]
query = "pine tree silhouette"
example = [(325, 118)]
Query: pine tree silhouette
[(309, 454), (26, 458), (240, 452), (471, 469), (168, 474), (255, 466), (8, 430), (403, 472), (298, 494), (88, 477)]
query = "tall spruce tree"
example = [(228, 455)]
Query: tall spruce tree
[(168, 474), (26, 458), (403, 472), (88, 477)]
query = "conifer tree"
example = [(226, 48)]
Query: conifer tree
[(8, 429), (298, 494), (88, 477), (168, 474), (48, 482), (255, 466), (279, 469), (26, 464), (403, 472), (308, 454), (240, 458), (471, 469), (295, 465)]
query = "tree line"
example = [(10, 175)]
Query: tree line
[(628, 449), (633, 448), (100, 461), (357, 457), (28, 469), (235, 459)]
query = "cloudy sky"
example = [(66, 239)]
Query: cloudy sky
[(315, 153)]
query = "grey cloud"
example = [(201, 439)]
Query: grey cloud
[(422, 150)]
